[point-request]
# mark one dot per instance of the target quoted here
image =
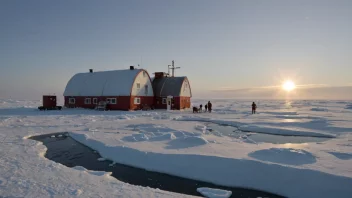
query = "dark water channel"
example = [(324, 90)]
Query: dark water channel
[(65, 150)]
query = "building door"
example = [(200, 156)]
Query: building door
[(168, 102)]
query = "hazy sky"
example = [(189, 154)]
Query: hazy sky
[(222, 45)]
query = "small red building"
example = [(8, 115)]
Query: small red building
[(174, 92), (49, 103), (128, 89)]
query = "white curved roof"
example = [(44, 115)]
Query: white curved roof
[(104, 83)]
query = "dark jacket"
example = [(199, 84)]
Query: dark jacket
[(254, 106), (209, 105)]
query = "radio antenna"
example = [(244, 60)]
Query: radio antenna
[(173, 68)]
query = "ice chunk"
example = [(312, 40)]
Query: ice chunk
[(214, 193), (80, 168), (77, 192)]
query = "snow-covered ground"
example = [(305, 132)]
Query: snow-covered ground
[(184, 144)]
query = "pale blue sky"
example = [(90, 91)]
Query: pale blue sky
[(220, 44)]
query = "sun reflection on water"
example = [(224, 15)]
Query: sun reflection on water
[(290, 120), (288, 104), (294, 146)]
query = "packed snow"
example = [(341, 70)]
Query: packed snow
[(182, 143)]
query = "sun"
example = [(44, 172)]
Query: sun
[(288, 85)]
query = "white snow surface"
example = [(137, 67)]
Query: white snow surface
[(25, 172), (102, 83), (181, 143)]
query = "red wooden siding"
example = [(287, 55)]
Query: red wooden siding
[(158, 103), (185, 102), (180, 102), (145, 100), (122, 102)]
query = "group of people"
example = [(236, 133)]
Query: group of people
[(207, 108)]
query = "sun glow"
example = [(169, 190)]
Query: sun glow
[(288, 85)]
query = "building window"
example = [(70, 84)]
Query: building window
[(164, 101), (111, 100), (138, 85), (95, 100), (146, 89), (144, 74), (71, 101), (137, 100), (87, 101)]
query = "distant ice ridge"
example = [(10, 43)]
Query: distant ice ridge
[(318, 109), (349, 106), (260, 128), (11, 104), (284, 131)]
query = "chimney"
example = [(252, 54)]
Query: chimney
[(131, 67), (159, 75), (90, 70)]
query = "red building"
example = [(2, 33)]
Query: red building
[(171, 92), (49, 103), (123, 89)]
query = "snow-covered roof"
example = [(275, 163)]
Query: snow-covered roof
[(104, 83)]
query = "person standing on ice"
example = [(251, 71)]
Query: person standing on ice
[(205, 107), (209, 106), (254, 108), (200, 107)]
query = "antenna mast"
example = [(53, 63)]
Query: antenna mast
[(173, 68)]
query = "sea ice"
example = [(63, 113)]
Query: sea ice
[(170, 142), (284, 156)]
